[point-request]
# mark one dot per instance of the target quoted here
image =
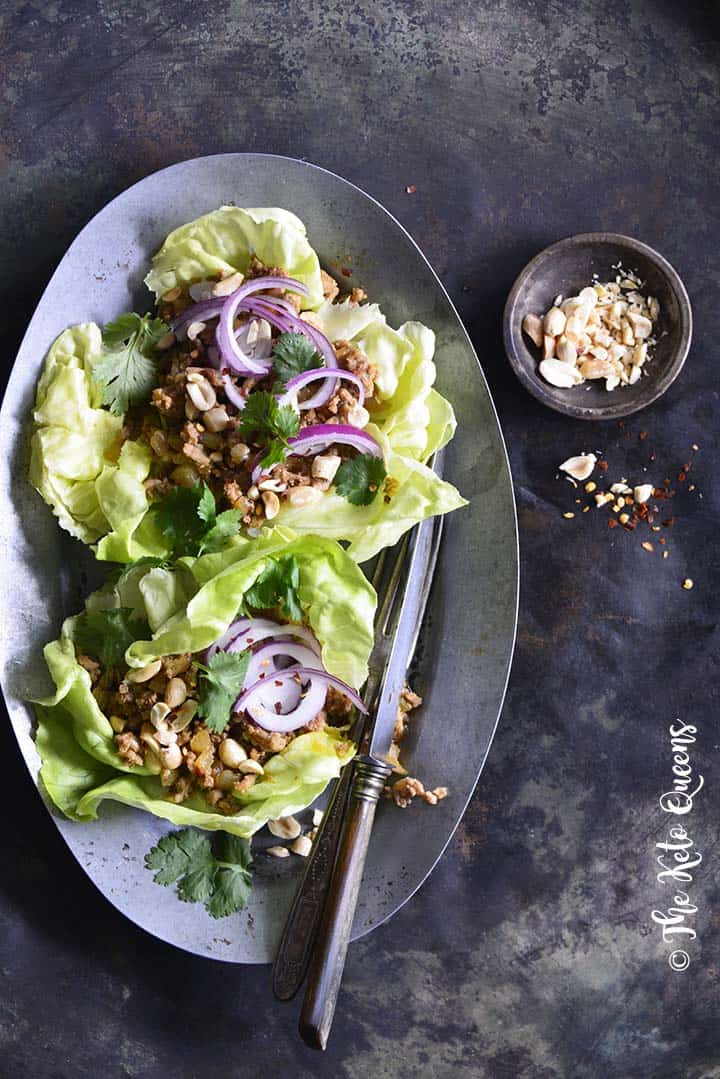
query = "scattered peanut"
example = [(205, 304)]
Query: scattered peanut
[(285, 828), (144, 674)]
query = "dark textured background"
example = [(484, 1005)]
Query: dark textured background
[(531, 951)]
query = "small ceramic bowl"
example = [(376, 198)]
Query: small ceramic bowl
[(568, 266)]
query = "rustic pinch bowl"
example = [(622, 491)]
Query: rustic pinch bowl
[(563, 269)]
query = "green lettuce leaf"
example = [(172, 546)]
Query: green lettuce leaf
[(226, 239), (188, 607), (104, 500), (293, 779), (417, 493), (339, 602)]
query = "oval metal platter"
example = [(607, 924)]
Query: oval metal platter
[(465, 650)]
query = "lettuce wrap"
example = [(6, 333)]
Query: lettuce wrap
[(188, 607), (103, 501)]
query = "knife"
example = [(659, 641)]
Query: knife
[(395, 639), (295, 948)]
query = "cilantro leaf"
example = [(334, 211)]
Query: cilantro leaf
[(220, 686), (175, 853), (360, 479), (186, 858), (270, 424), (277, 587), (206, 505), (226, 525), (187, 517), (294, 353), (125, 371), (107, 634), (177, 517)]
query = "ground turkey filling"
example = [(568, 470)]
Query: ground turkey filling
[(146, 706), (191, 426)]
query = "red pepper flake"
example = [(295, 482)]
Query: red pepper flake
[(666, 481), (603, 466), (410, 189), (278, 708), (662, 540), (630, 526), (345, 272), (681, 477), (278, 682), (669, 522), (643, 435), (612, 523)]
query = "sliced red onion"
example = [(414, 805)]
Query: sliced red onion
[(232, 392), (323, 394), (259, 629), (331, 680), (261, 660), (320, 435), (230, 350), (234, 630), (287, 320), (259, 700), (197, 312)]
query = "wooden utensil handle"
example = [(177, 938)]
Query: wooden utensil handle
[(328, 961), (295, 949)]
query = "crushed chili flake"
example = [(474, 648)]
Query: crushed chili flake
[(612, 523), (603, 466), (345, 272), (410, 189), (643, 435), (681, 477), (669, 522)]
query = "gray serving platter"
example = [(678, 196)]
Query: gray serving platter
[(466, 647)]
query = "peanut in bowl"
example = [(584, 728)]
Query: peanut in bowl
[(564, 272)]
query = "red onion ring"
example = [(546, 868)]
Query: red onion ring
[(232, 392), (321, 435), (230, 350), (308, 707), (260, 660), (321, 397)]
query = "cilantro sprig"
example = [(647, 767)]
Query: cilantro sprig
[(294, 353), (125, 370), (106, 635), (221, 881), (277, 588), (359, 479), (270, 424), (188, 518), (220, 685)]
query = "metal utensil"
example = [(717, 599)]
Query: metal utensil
[(395, 637), (295, 948)]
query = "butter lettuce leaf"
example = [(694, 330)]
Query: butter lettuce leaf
[(226, 239), (188, 606)]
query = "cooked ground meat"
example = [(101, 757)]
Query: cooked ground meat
[(153, 715), (191, 425)]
